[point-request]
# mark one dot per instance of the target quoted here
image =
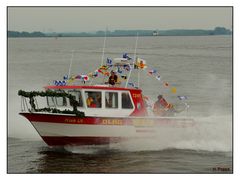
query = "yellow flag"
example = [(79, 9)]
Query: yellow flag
[(90, 74), (173, 90), (71, 80)]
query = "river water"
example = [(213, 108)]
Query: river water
[(199, 67)]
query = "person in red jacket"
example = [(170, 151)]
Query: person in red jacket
[(162, 107)]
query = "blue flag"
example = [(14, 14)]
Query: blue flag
[(59, 83), (65, 77), (109, 61), (127, 67), (119, 70), (125, 55), (131, 84)]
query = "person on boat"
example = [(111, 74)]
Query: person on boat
[(90, 102), (113, 78), (141, 65), (162, 107)]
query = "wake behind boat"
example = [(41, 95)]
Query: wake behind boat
[(79, 112)]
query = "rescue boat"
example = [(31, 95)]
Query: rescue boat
[(120, 115), (85, 114)]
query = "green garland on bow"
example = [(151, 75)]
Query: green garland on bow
[(49, 93)]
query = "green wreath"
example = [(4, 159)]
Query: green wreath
[(49, 93)]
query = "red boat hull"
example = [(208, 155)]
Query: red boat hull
[(62, 141), (61, 130)]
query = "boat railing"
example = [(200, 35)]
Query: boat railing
[(33, 106), (24, 104)]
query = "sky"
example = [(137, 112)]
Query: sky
[(88, 19)]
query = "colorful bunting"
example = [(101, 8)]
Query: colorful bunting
[(71, 79), (90, 75), (106, 73), (173, 90), (182, 97), (103, 67), (119, 70), (78, 77), (158, 77), (125, 55), (124, 66), (84, 77), (152, 71), (65, 77), (127, 67), (95, 74), (166, 84), (131, 84), (60, 83), (109, 62), (124, 76)]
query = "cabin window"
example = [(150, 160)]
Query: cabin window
[(77, 96), (61, 101), (93, 99), (51, 101), (111, 99), (126, 101), (56, 101)]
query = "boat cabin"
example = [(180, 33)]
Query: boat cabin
[(101, 100)]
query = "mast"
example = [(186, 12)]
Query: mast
[(104, 43), (134, 58)]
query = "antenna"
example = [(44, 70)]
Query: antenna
[(104, 43), (70, 66), (134, 58), (138, 78), (135, 51)]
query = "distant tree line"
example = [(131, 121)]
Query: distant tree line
[(117, 33), (25, 34), (195, 32)]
